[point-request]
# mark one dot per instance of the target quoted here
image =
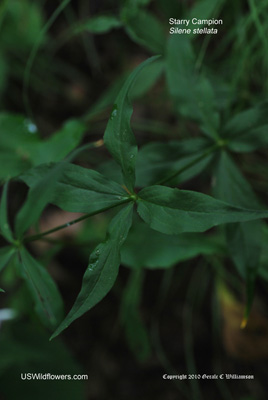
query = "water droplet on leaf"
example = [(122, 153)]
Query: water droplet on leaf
[(114, 112), (30, 126), (121, 239)]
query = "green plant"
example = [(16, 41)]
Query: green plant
[(165, 209), (152, 222)]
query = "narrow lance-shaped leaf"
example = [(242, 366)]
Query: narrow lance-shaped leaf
[(4, 224), (230, 185), (80, 189), (147, 78), (118, 136), (135, 330), (60, 144), (174, 211), (205, 9), (191, 91), (247, 131), (43, 289), (44, 182), (136, 26), (5, 255), (100, 24), (244, 239), (144, 82), (38, 197), (245, 244), (174, 161), (102, 270)]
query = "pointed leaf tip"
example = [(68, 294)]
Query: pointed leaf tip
[(118, 137)]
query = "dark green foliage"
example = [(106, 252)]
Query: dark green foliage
[(21, 146), (118, 136), (78, 189), (4, 224), (137, 28), (191, 91), (168, 210), (213, 123), (101, 24), (174, 211), (102, 269), (43, 289), (157, 250), (26, 349)]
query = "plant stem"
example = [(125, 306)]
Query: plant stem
[(206, 153), (57, 228)]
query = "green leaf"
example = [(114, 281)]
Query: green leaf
[(4, 224), (25, 348), (3, 74), (132, 7), (174, 211), (18, 135), (263, 271), (79, 189), (60, 144), (135, 330), (5, 255), (247, 131), (22, 148), (100, 24), (230, 185), (245, 244), (145, 80), (14, 32), (118, 136), (205, 9), (191, 92), (157, 250), (144, 29), (41, 192), (102, 270), (244, 240), (12, 165), (43, 289), (158, 160), (38, 197)]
